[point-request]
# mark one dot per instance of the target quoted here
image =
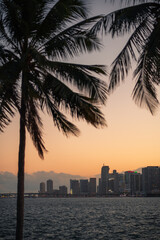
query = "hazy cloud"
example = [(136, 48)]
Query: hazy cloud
[(8, 181)]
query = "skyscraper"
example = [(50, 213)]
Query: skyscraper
[(84, 186), (127, 177), (49, 186), (151, 180), (99, 188), (42, 187), (136, 184), (104, 180), (133, 183), (121, 183), (92, 186), (114, 182), (74, 187), (63, 190)]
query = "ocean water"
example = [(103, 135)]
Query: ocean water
[(83, 218)]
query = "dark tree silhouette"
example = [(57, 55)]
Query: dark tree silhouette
[(36, 38), (140, 19)]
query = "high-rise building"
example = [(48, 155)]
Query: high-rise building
[(99, 188), (63, 190), (92, 186), (111, 185), (42, 187), (121, 183), (127, 177), (104, 180), (114, 182), (84, 186), (49, 186), (74, 187), (133, 183), (136, 184), (151, 180)]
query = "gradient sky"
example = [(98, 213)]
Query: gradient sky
[(131, 140)]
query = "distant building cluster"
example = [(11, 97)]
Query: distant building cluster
[(130, 183), (62, 191)]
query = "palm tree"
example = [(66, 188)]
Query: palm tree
[(140, 19), (36, 38)]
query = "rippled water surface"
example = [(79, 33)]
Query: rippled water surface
[(83, 218)]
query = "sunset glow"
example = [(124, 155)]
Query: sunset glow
[(130, 141)]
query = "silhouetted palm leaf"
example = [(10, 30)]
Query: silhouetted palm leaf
[(139, 19)]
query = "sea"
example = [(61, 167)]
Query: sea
[(83, 218)]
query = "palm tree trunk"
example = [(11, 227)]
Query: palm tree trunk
[(21, 164), (20, 186)]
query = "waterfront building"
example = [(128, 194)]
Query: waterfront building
[(49, 186), (42, 187), (84, 186), (104, 180), (99, 187), (55, 193), (114, 182), (63, 190), (133, 183), (136, 184), (121, 183), (111, 186), (151, 180), (92, 186), (127, 178), (74, 187)]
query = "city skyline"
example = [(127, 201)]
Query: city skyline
[(130, 141), (130, 183), (9, 180)]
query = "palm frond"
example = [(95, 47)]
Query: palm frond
[(62, 34), (4, 36), (80, 107), (81, 76), (6, 112), (34, 126), (10, 70), (13, 19), (142, 18), (22, 17), (148, 72), (144, 92), (122, 63), (124, 20), (152, 48), (9, 97), (130, 2), (7, 57), (71, 44), (7, 105), (59, 119), (133, 2), (61, 13)]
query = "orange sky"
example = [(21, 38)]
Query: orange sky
[(131, 140)]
